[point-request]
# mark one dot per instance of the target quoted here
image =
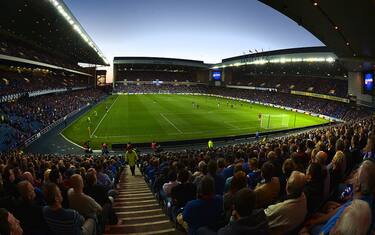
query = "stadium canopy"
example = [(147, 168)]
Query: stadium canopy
[(345, 27), (159, 61), (49, 24), (284, 56)]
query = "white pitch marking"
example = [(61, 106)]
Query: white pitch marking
[(171, 123), (79, 146), (105, 115)]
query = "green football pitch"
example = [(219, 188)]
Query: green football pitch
[(167, 117)]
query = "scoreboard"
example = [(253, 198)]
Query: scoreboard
[(368, 82)]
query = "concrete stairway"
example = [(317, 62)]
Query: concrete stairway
[(138, 210)]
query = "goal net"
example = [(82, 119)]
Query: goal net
[(274, 121)]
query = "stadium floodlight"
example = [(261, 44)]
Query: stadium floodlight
[(68, 16), (330, 59), (279, 60)]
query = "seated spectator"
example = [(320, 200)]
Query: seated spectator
[(314, 187), (95, 190), (245, 218), (288, 167), (228, 181), (228, 171), (219, 179), (100, 195), (55, 177), (28, 212), (9, 224), (200, 173), (38, 192), (172, 182), (103, 178), (254, 176), (239, 182), (185, 191), (9, 181), (79, 201), (268, 190), (358, 212), (206, 210), (64, 221), (321, 158), (337, 172), (285, 216), (363, 191)]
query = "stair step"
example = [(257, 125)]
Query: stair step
[(143, 228), (141, 213), (134, 218), (135, 194), (128, 199), (137, 208), (129, 203), (133, 191)]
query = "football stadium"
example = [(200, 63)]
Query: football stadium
[(142, 117)]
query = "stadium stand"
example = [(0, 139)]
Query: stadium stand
[(334, 87)]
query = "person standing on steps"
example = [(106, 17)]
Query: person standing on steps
[(131, 158)]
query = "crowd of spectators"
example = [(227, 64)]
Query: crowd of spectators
[(48, 194), (154, 74), (315, 182), (22, 81), (332, 86), (26, 116), (12, 47)]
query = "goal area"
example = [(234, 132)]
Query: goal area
[(274, 121)]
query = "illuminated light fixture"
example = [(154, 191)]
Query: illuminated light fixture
[(347, 43), (336, 27), (315, 4), (330, 59), (279, 61)]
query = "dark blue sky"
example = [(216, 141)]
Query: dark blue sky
[(208, 30)]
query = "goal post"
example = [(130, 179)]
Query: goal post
[(274, 121)]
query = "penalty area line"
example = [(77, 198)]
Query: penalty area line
[(171, 123)]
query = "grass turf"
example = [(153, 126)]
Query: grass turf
[(143, 118)]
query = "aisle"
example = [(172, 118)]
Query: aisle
[(137, 209)]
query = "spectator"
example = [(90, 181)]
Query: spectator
[(246, 219), (9, 224), (268, 190), (314, 187), (79, 201), (184, 192), (131, 158), (360, 212), (64, 221), (28, 212), (204, 211), (239, 181), (285, 216), (219, 179)]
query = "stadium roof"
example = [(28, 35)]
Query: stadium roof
[(159, 61), (299, 50), (345, 27), (285, 56), (51, 25)]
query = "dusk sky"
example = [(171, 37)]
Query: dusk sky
[(207, 30)]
